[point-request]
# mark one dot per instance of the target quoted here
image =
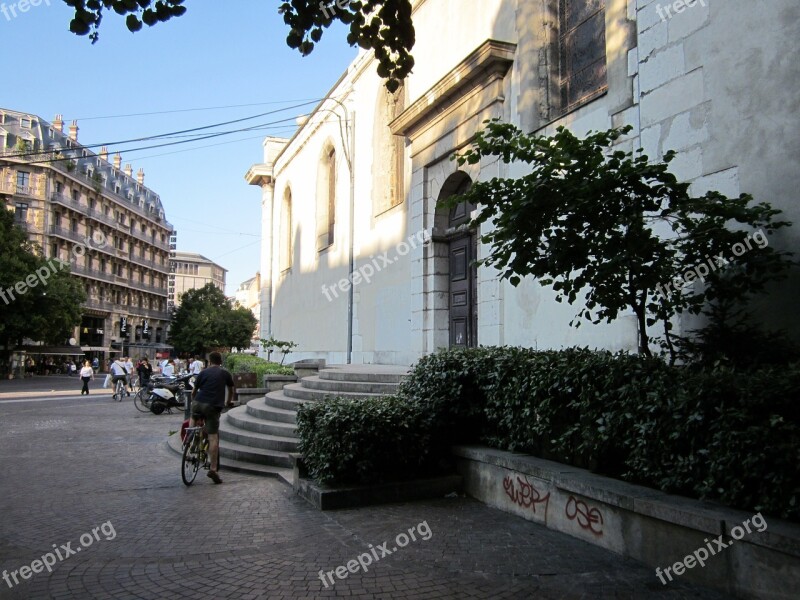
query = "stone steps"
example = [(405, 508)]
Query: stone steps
[(263, 433)]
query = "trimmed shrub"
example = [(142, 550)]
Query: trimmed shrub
[(248, 363), (363, 441)]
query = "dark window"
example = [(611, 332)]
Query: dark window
[(23, 182), (582, 51), (21, 212)]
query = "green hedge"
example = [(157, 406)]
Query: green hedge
[(248, 363), (362, 441), (716, 433)]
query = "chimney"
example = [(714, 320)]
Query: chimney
[(104, 153), (128, 170), (73, 131), (117, 161), (140, 176), (58, 124)]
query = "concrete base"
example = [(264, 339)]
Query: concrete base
[(658, 529), (274, 383), (328, 497), (245, 395)]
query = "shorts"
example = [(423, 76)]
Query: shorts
[(209, 413), (116, 378)]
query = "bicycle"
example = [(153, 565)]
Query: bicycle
[(195, 451), (119, 390)]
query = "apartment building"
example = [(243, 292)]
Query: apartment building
[(192, 271), (96, 215)]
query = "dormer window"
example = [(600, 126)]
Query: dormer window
[(24, 122)]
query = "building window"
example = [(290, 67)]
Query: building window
[(26, 123), (21, 212), (285, 253), (581, 52), (74, 226), (76, 196), (23, 182), (326, 199), (389, 152), (59, 188)]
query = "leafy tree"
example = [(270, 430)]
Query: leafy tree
[(382, 25), (595, 223), (206, 319), (47, 310)]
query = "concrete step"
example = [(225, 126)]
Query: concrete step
[(241, 419), (282, 473), (261, 410), (255, 440), (299, 392), (366, 373), (281, 400), (341, 386), (232, 451)]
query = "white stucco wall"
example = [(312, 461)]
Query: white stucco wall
[(717, 82)]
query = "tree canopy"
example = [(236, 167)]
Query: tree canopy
[(206, 319), (40, 300), (385, 26), (617, 231)]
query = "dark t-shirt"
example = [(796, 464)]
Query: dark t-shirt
[(211, 384)]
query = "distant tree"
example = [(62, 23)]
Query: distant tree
[(594, 224), (206, 319), (46, 311), (382, 25)]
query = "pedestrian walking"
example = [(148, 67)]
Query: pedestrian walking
[(87, 373)]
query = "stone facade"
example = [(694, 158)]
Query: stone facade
[(712, 81)]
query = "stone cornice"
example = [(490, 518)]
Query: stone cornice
[(488, 63), (259, 174)]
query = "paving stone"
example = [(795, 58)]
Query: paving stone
[(71, 464)]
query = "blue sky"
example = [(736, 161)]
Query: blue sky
[(209, 57)]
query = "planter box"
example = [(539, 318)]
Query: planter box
[(308, 367), (245, 380), (648, 525), (245, 395), (274, 383)]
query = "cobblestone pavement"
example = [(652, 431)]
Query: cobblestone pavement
[(71, 465)]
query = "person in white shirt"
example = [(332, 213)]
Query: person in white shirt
[(196, 366), (129, 369), (118, 373), (169, 369), (87, 373)]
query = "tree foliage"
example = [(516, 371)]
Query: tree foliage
[(206, 319), (614, 230), (47, 310), (385, 26)]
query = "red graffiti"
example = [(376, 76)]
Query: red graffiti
[(587, 517), (526, 496)]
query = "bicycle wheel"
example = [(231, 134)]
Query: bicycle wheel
[(119, 391), (142, 400), (190, 462)]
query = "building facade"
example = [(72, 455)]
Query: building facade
[(193, 271), (248, 295), (95, 215), (360, 265)]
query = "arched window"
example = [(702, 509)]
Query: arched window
[(326, 198), (285, 249), (388, 152)]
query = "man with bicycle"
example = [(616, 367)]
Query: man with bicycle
[(208, 400), (118, 373)]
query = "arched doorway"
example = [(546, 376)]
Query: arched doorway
[(462, 273)]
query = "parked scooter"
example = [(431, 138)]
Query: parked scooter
[(167, 395)]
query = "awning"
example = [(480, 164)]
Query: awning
[(51, 350), (99, 349)]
